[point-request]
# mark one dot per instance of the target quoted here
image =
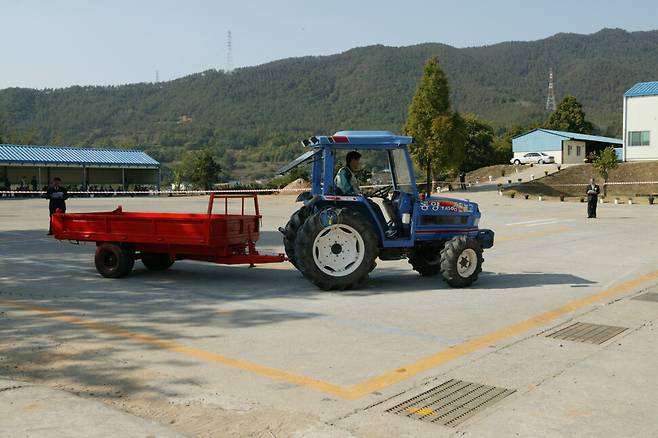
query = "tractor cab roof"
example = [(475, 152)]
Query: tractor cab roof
[(382, 140), (359, 140)]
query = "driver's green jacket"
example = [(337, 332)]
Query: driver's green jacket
[(346, 182)]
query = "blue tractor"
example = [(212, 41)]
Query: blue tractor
[(334, 240)]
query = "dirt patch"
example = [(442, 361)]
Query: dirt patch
[(296, 187), (200, 418), (496, 171)]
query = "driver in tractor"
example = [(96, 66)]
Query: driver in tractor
[(348, 185), (345, 181)]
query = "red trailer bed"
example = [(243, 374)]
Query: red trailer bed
[(159, 239)]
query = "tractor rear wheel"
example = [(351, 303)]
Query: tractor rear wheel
[(336, 249), (290, 232), (426, 260), (461, 261), (156, 261), (113, 260)]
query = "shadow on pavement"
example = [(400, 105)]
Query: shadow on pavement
[(528, 279)]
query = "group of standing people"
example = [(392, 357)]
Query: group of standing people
[(23, 185)]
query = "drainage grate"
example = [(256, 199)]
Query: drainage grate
[(590, 333), (649, 296), (451, 402)]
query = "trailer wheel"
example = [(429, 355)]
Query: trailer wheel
[(336, 249), (113, 260), (156, 261), (290, 232), (461, 261), (426, 260)]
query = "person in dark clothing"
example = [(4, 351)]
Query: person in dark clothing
[(593, 191), (462, 180), (34, 183), (57, 196)]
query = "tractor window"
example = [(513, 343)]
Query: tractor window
[(400, 169), (374, 167)]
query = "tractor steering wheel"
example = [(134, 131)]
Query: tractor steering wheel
[(381, 192)]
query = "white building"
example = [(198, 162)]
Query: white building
[(641, 122)]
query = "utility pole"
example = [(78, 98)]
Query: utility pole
[(229, 53), (550, 98)]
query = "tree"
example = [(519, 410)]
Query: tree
[(447, 144), (569, 116), (604, 162), (437, 130), (479, 148), (201, 168)]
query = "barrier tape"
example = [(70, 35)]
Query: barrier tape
[(166, 192), (228, 191), (618, 183)]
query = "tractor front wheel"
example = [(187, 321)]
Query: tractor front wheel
[(426, 260), (336, 249), (461, 261)]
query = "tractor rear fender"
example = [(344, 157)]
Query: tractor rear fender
[(355, 203)]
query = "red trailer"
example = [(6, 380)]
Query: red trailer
[(159, 239)]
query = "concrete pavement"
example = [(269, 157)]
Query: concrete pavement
[(232, 351)]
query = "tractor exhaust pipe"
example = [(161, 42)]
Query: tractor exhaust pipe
[(429, 180)]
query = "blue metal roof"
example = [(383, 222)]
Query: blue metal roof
[(643, 89), (63, 156), (586, 137), (576, 136)]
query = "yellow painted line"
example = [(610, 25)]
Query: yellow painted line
[(361, 389)]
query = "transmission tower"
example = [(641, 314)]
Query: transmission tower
[(157, 77), (229, 53), (550, 98)]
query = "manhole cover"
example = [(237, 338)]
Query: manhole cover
[(451, 402), (650, 296), (590, 333)]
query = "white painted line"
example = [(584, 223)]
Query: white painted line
[(550, 222), (531, 222)]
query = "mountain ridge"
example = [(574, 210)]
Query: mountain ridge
[(259, 113)]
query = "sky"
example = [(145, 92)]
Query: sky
[(58, 43)]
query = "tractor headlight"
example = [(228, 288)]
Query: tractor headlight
[(406, 218)]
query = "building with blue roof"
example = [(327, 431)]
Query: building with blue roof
[(565, 147), (76, 166), (641, 122)]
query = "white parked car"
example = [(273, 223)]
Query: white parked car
[(533, 157)]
